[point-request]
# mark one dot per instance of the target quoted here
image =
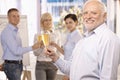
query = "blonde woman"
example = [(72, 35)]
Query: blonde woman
[(45, 69)]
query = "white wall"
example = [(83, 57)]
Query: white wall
[(30, 9), (118, 18), (6, 4), (110, 14)]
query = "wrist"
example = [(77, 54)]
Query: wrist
[(56, 58)]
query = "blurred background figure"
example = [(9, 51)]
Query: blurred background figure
[(45, 69), (12, 46), (73, 37)]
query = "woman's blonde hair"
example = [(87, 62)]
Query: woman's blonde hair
[(44, 17)]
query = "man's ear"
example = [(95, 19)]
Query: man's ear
[(105, 16)]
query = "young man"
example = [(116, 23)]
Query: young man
[(12, 47)]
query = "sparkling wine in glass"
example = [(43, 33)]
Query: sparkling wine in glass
[(45, 38), (39, 38)]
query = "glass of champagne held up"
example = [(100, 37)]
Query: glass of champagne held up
[(45, 38), (39, 38)]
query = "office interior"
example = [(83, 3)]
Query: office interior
[(32, 10)]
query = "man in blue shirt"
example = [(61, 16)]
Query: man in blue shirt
[(12, 47)]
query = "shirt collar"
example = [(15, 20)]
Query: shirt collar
[(96, 31), (74, 32), (87, 34), (99, 29), (51, 31), (13, 27)]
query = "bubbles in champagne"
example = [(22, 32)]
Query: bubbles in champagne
[(45, 38), (39, 38)]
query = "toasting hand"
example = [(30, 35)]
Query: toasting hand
[(1, 67), (52, 54), (37, 45)]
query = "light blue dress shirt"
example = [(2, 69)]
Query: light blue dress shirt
[(71, 41), (95, 57), (11, 44)]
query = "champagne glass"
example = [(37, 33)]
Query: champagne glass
[(45, 38), (39, 38), (54, 40)]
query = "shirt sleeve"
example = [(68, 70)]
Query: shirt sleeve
[(12, 44), (110, 59), (63, 65)]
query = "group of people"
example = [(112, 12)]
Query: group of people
[(95, 55)]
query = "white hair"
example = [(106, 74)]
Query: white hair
[(101, 4)]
